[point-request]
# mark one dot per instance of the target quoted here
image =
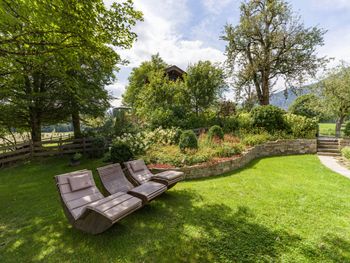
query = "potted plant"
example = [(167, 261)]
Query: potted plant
[(75, 160)]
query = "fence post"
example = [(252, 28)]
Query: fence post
[(84, 146), (60, 149), (31, 148)]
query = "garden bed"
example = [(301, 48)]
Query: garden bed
[(223, 165)]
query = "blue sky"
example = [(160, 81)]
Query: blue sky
[(186, 31)]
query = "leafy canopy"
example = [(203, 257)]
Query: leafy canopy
[(308, 105), (270, 43)]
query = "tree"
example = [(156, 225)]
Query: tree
[(270, 43), (308, 105), (335, 89), (139, 78), (204, 85), (159, 101), (43, 42)]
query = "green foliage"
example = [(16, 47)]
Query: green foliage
[(77, 157), (255, 55), (206, 152), (177, 136), (215, 132), (229, 150), (308, 105), (245, 121), (124, 122), (188, 140), (98, 146), (204, 84), (347, 129), (335, 89), (120, 153), (346, 152), (51, 77), (255, 139), (268, 117), (142, 141), (172, 155), (160, 101), (139, 78), (301, 127), (230, 124)]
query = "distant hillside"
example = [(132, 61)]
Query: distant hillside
[(284, 100)]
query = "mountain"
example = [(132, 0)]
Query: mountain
[(284, 99)]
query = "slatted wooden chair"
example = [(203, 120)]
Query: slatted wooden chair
[(86, 208), (140, 174), (114, 181)]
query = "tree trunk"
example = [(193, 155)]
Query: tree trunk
[(76, 125), (35, 125), (265, 98), (338, 125)]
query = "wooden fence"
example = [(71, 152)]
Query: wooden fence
[(27, 150)]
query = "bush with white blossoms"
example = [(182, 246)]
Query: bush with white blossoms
[(142, 141)]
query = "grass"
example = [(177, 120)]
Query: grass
[(327, 129), (280, 209)]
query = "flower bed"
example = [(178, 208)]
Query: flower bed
[(279, 147)]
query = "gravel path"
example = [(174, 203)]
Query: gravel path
[(333, 164)]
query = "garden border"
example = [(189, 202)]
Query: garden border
[(272, 148)]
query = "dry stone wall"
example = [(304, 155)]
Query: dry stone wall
[(275, 148)]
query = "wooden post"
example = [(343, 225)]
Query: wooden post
[(31, 148), (60, 149), (84, 146)]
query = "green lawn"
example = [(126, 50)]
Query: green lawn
[(327, 129), (281, 209)]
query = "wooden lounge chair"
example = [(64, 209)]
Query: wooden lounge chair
[(114, 181), (86, 208), (140, 174)]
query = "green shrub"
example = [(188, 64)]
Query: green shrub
[(300, 126), (188, 140), (177, 135), (268, 117), (215, 132), (347, 129), (141, 141), (244, 121), (77, 157), (226, 150), (98, 146), (255, 139), (346, 152), (120, 153), (230, 124)]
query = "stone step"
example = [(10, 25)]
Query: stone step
[(328, 146), (327, 142), (328, 154), (328, 150)]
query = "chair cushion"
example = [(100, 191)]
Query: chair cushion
[(79, 182), (137, 166), (170, 175)]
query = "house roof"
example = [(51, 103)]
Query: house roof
[(175, 68)]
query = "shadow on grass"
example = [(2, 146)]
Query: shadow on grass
[(177, 227), (172, 229)]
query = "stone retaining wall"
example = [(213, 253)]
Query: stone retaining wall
[(344, 143), (280, 147)]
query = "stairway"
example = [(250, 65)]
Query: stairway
[(328, 146)]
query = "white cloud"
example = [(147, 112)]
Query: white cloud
[(337, 42), (331, 4), (216, 7), (160, 32)]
